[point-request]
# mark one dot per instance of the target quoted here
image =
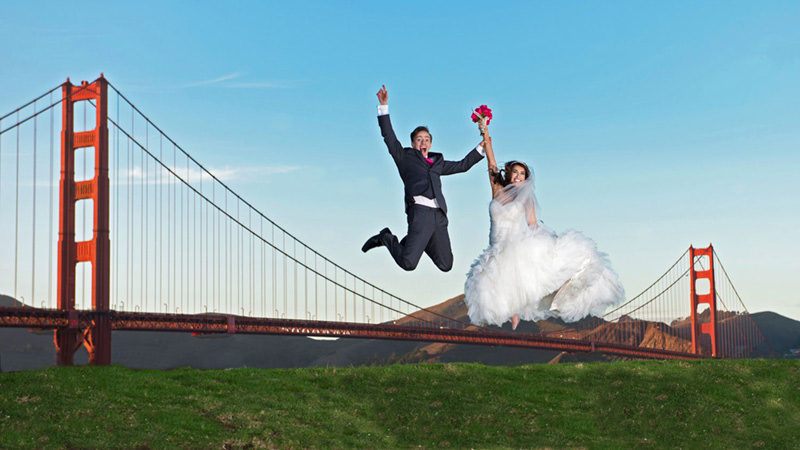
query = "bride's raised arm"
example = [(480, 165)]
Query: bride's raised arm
[(494, 173)]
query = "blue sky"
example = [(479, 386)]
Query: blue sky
[(650, 127)]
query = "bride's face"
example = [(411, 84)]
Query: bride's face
[(517, 174)]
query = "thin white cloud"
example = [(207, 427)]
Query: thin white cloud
[(250, 173), (259, 85), (225, 82), (221, 79), (136, 175)]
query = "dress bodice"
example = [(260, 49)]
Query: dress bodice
[(508, 221)]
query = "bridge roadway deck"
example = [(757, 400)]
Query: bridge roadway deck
[(27, 317)]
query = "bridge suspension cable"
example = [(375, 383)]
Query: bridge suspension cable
[(219, 231), (627, 304)]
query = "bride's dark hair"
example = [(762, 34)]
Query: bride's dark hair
[(503, 177)]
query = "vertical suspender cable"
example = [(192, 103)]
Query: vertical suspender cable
[(239, 260), (159, 226), (189, 232), (127, 221), (274, 276), (214, 249), (191, 242), (194, 284), (263, 270), (285, 280), (244, 285), (344, 295), (170, 221), (146, 216), (33, 228), (220, 259), (335, 293), (305, 279), (184, 242), (16, 215), (174, 222), (191, 217), (203, 263), (219, 267), (241, 269), (182, 253), (227, 293), (142, 212), (254, 240), (252, 265), (129, 210), (116, 225), (228, 286), (51, 229)]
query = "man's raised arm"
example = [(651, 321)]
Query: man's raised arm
[(394, 146)]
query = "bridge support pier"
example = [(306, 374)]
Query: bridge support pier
[(705, 327), (97, 336)]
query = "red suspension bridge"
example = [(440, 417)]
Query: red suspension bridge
[(138, 235)]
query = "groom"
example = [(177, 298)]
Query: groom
[(426, 208)]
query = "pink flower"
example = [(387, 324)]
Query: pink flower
[(482, 112)]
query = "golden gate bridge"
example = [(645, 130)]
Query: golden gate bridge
[(135, 234)]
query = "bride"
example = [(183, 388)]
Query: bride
[(528, 272)]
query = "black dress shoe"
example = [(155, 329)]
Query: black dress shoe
[(374, 241)]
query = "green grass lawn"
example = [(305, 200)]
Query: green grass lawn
[(646, 404)]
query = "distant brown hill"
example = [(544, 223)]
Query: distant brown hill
[(780, 333), (21, 349), (454, 308)]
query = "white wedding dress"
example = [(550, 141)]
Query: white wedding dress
[(530, 271)]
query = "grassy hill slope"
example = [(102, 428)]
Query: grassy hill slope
[(643, 404)]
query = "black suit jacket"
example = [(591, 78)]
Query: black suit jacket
[(420, 177)]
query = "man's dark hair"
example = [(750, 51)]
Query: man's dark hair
[(418, 129)]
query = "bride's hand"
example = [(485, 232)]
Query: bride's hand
[(482, 126)]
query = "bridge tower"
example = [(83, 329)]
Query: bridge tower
[(709, 298), (97, 335)]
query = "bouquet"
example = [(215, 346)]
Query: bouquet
[(482, 112)]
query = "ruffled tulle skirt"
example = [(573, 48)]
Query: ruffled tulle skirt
[(539, 275)]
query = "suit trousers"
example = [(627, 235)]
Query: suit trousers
[(427, 232)]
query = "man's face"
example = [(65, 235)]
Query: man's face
[(422, 142)]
